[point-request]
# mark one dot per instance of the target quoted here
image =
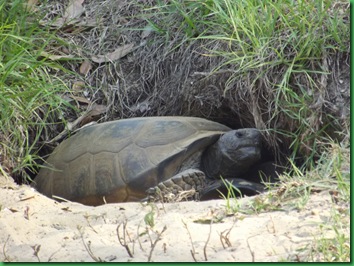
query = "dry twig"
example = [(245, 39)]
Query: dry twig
[(123, 240), (190, 237), (153, 245), (88, 246), (6, 257), (206, 243), (88, 222), (138, 237), (251, 251), (226, 238), (36, 248)]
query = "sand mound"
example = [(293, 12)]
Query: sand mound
[(34, 227)]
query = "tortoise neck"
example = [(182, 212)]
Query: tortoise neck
[(224, 160), (216, 163)]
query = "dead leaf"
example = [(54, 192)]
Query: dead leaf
[(141, 107), (78, 86), (97, 109), (30, 6), (92, 112), (57, 23), (26, 213), (80, 99), (85, 67), (115, 55), (67, 209), (89, 22), (123, 21), (146, 32), (74, 10), (55, 57), (77, 25)]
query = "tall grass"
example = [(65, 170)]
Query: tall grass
[(30, 95), (277, 51), (281, 53)]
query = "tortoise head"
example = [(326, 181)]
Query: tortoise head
[(233, 154)]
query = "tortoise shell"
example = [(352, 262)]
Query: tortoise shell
[(118, 161)]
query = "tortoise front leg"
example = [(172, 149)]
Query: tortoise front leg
[(182, 186)]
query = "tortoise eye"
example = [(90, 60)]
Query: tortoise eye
[(238, 134)]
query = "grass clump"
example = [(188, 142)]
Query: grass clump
[(232, 204), (331, 175), (30, 93), (278, 58), (334, 247)]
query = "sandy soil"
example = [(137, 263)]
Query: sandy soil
[(34, 227)]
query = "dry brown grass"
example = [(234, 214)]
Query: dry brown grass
[(171, 74), (171, 69)]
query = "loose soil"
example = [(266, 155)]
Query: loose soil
[(155, 79), (34, 227)]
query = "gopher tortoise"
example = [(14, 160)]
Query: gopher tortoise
[(130, 159)]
